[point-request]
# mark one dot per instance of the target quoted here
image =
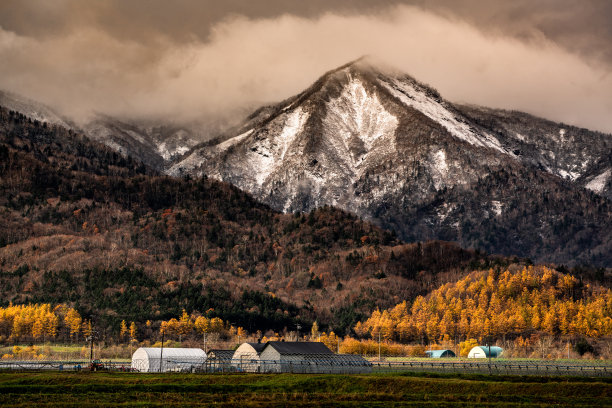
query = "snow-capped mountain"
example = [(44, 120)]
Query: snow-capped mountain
[(380, 144), (325, 145)]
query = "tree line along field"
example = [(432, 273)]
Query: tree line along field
[(298, 390), (534, 312)]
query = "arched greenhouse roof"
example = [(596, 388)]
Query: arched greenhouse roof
[(494, 350), (170, 352), (440, 353)]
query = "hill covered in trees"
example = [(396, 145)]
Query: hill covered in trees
[(494, 304), (84, 226)]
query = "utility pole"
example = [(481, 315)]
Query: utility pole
[(90, 340), (161, 353), (489, 355), (378, 345), (205, 343)]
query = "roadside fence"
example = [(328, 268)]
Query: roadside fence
[(321, 367)]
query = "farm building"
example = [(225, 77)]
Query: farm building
[(440, 353), (148, 359), (219, 360), (309, 357), (483, 352), (246, 357)]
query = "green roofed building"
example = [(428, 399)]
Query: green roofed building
[(440, 353)]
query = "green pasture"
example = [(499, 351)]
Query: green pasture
[(297, 390)]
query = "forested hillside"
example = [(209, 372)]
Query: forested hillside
[(112, 238), (493, 305)]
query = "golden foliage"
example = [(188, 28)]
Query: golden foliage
[(486, 303), (39, 322)]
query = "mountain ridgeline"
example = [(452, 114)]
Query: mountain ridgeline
[(378, 144), (389, 149)]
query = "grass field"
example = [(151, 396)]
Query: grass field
[(123, 389)]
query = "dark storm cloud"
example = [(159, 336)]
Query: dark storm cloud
[(194, 58), (581, 26)]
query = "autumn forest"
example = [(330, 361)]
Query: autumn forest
[(93, 242)]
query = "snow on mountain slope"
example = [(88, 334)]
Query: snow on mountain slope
[(353, 128), (389, 149), (598, 183), (381, 145), (32, 109), (267, 153), (156, 144), (408, 93), (359, 124), (569, 152)]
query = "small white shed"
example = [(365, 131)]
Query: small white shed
[(148, 359), (247, 357)]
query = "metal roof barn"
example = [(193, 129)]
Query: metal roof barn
[(149, 359), (309, 357), (483, 352)]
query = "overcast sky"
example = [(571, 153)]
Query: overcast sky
[(196, 59)]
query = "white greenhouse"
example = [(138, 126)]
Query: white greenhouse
[(246, 357), (485, 352), (148, 359)]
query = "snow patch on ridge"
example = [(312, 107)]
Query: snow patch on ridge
[(496, 206), (599, 183), (234, 140), (293, 126), (269, 153), (167, 153), (356, 113), (572, 175), (440, 161), (439, 167), (359, 125), (410, 96)]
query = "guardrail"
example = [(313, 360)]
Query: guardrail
[(53, 365), (322, 367), (482, 367)]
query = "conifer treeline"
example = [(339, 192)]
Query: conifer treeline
[(56, 323), (483, 304), (197, 324), (42, 322)]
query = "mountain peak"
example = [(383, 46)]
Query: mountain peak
[(366, 65), (374, 141)]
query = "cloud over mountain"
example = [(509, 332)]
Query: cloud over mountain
[(79, 61)]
